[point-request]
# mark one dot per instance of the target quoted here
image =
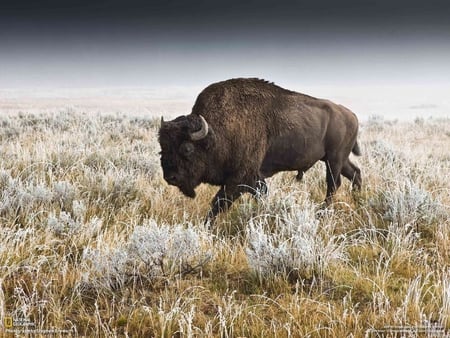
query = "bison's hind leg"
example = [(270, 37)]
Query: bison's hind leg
[(333, 170), (299, 175), (353, 174)]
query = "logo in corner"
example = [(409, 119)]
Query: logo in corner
[(8, 322)]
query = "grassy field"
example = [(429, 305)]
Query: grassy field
[(93, 241)]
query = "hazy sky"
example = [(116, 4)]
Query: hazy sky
[(69, 43)]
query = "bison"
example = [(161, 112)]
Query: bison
[(241, 131)]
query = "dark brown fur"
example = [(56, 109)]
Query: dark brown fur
[(257, 129)]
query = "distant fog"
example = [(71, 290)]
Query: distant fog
[(386, 58)]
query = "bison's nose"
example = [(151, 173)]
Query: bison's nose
[(171, 179)]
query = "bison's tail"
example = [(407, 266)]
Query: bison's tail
[(356, 150)]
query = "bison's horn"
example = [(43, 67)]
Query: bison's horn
[(198, 135), (162, 120)]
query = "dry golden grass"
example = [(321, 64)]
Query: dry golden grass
[(93, 241)]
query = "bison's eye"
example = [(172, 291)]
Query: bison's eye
[(186, 149)]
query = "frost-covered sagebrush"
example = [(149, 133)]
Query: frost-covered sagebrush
[(152, 251), (63, 224), (294, 245), (407, 203), (17, 195), (64, 193), (108, 267), (168, 249)]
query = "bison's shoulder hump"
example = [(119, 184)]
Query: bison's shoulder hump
[(246, 86)]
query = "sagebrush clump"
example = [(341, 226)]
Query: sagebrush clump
[(297, 243)]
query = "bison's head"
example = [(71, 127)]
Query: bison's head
[(184, 143)]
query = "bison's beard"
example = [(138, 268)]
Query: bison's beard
[(187, 191)]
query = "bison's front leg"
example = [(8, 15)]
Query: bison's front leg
[(222, 201), (229, 193)]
